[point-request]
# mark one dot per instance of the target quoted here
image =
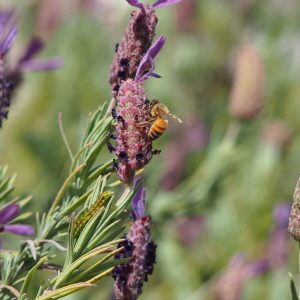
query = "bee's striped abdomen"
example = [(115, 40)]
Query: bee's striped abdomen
[(158, 127)]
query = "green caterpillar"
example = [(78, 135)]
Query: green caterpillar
[(88, 213)]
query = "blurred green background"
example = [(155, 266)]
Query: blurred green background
[(208, 203)]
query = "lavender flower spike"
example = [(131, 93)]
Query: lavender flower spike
[(147, 65), (133, 148), (7, 214), (130, 277), (136, 41)]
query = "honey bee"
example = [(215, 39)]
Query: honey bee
[(158, 119)]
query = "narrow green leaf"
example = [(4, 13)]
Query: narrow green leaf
[(21, 217), (68, 271), (65, 291), (86, 274), (70, 253), (100, 276), (30, 275), (100, 234), (293, 288)]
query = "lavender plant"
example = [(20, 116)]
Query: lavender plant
[(85, 210)]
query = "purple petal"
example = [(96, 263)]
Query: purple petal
[(8, 213), (7, 43), (138, 201), (136, 3), (281, 214), (41, 65), (19, 229), (35, 46), (146, 66), (5, 18), (164, 3), (258, 267)]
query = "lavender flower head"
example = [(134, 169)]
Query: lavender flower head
[(130, 277), (133, 148), (10, 78), (7, 35), (7, 214), (136, 41)]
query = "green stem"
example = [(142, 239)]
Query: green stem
[(63, 188)]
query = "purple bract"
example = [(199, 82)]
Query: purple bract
[(138, 201), (147, 65)]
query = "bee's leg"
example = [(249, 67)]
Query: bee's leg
[(156, 152), (142, 124)]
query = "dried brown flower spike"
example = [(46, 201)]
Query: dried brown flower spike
[(294, 220), (247, 94)]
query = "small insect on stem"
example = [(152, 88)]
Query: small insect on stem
[(90, 212)]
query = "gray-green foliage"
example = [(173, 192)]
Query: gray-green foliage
[(88, 254)]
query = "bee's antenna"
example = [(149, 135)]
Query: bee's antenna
[(175, 117)]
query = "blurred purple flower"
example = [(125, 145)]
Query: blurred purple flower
[(11, 77), (281, 214), (278, 244), (231, 284), (28, 63), (258, 267), (147, 65), (7, 35), (7, 214), (189, 228)]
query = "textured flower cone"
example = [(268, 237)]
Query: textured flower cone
[(5, 93), (133, 148), (134, 44), (247, 97), (294, 220), (138, 244)]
